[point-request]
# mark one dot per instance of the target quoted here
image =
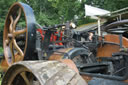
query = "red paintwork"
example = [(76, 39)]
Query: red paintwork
[(53, 36)]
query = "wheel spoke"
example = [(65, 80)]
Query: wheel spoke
[(10, 35), (25, 78), (18, 32), (12, 53), (7, 42), (16, 20), (10, 27), (31, 78), (17, 48)]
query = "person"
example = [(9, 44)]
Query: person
[(90, 36)]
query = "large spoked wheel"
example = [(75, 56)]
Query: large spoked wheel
[(19, 33), (42, 73)]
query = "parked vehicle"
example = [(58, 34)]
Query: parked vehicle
[(61, 54)]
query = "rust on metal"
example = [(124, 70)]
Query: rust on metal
[(115, 39), (107, 49), (70, 63), (42, 73), (59, 54), (12, 50), (10, 33), (4, 65)]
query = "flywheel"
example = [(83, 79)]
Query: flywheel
[(19, 33)]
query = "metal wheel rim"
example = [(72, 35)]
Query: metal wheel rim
[(20, 77), (10, 25)]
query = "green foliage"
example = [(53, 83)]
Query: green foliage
[(1, 50), (111, 5), (49, 12), (1, 39), (4, 6), (68, 8)]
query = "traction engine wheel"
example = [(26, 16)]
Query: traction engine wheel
[(19, 33), (42, 73)]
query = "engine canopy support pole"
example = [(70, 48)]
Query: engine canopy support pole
[(99, 29)]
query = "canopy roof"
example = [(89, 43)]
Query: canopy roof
[(94, 12)]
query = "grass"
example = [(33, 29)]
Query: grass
[(0, 81), (1, 50)]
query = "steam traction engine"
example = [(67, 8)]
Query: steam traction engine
[(59, 54)]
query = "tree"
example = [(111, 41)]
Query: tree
[(4, 6), (49, 12), (111, 5)]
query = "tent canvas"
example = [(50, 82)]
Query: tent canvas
[(93, 11)]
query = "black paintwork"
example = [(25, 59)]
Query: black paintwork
[(31, 31), (101, 81)]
